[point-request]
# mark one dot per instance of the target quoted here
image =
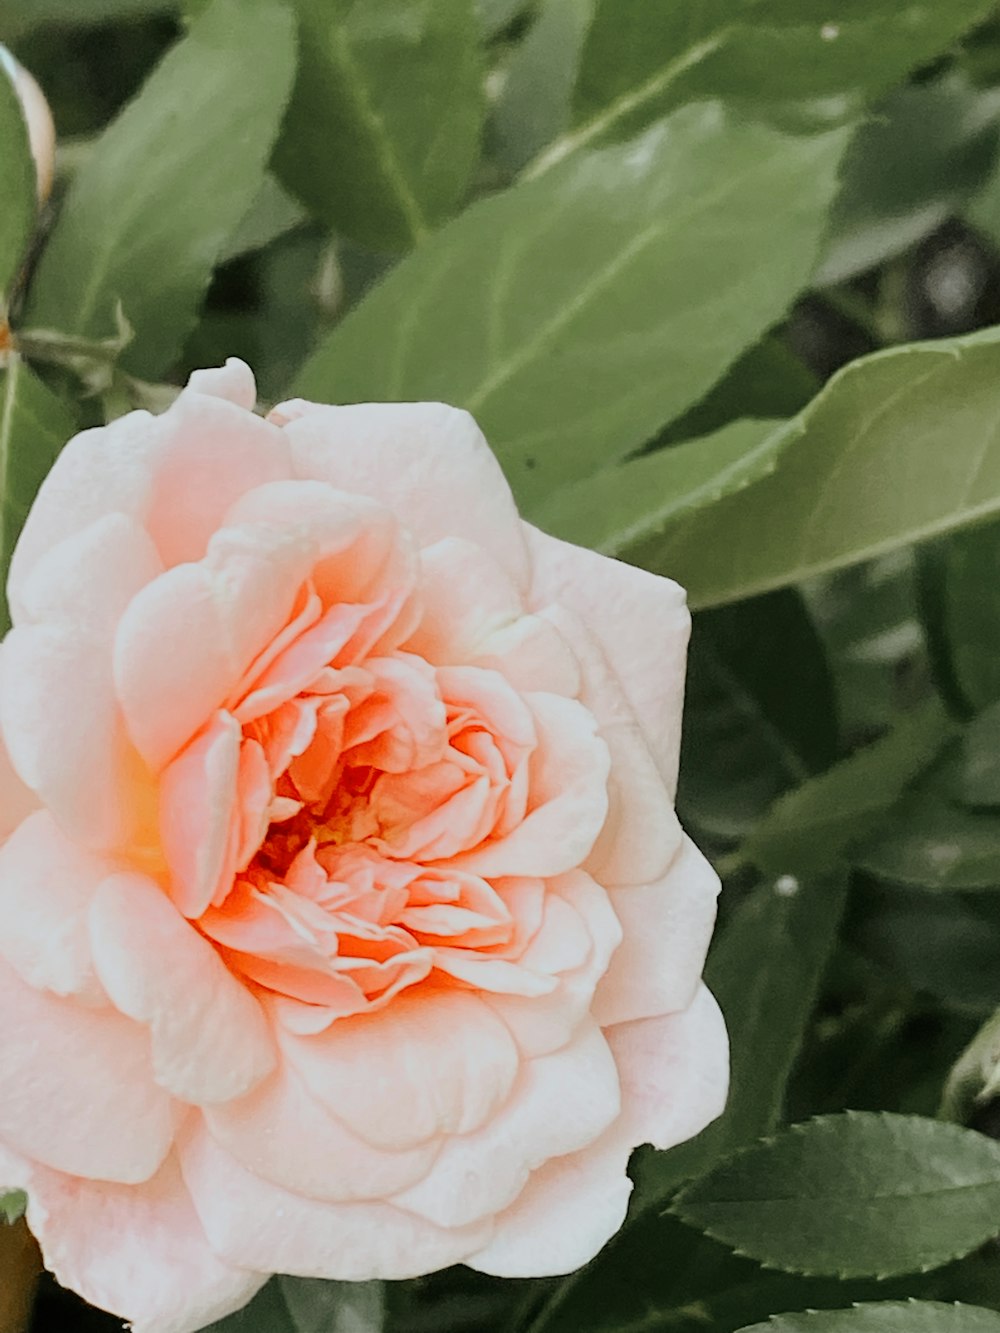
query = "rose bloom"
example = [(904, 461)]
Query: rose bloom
[(346, 925)]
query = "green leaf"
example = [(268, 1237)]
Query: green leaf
[(765, 970), (22, 16), (34, 426), (853, 1195), (310, 1305), (979, 777), (760, 713), (641, 60), (898, 447), (382, 131), (12, 1205), (613, 509), (19, 202), (931, 840), (886, 1317), (809, 829), (924, 152), (576, 314), (154, 205), (975, 1079), (273, 213), (960, 607)]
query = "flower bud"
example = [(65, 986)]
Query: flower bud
[(38, 117)]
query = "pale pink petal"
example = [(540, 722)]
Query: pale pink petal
[(60, 717), (642, 623), (568, 798), (234, 381), (666, 929), (560, 1104), (427, 462), (188, 638), (544, 1023), (674, 1072), (199, 817), (79, 1093), (137, 1251), (435, 1063), (16, 800), (210, 1039), (569, 1209), (256, 1224), (47, 884), (282, 1133), (641, 834)]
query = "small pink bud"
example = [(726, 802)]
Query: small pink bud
[(38, 117)]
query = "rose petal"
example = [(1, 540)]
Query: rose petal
[(642, 623), (16, 800), (47, 884), (282, 1133), (210, 1039), (666, 929), (79, 1093), (560, 1104), (234, 381), (674, 1072), (137, 1251), (426, 462), (435, 1063), (255, 1224)]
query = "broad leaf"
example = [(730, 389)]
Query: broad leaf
[(897, 448), (383, 128), (809, 829), (34, 426), (853, 1195), (886, 1317), (641, 59), (310, 1305), (573, 316), (975, 1079), (960, 605), (760, 713), (157, 200), (613, 509), (21, 16), (19, 200)]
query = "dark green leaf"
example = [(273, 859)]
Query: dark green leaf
[(19, 201), (897, 448), (155, 203), (575, 315), (272, 214), (21, 16), (383, 128), (34, 426), (808, 829), (960, 605), (760, 713), (857, 1194), (641, 60), (979, 776), (925, 150), (975, 1079), (887, 1317), (310, 1305)]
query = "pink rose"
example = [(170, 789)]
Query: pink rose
[(37, 117), (353, 933)]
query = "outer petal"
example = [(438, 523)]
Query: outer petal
[(666, 929), (256, 1224), (674, 1072), (568, 800), (187, 639), (210, 1039), (60, 716), (642, 623), (427, 462), (282, 1133), (176, 474), (567, 1211), (79, 1094), (431, 1064), (136, 1250), (561, 1103), (47, 884), (16, 800)]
